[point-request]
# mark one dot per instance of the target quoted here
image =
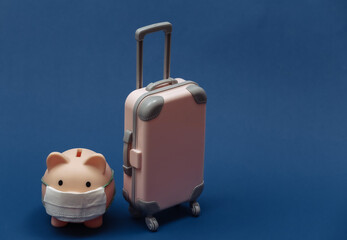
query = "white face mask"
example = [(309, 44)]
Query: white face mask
[(74, 206)]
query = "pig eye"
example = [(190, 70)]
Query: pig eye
[(60, 182), (88, 184)]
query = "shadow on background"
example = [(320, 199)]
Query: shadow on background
[(116, 221), (38, 224)]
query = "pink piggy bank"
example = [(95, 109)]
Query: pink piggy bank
[(78, 186)]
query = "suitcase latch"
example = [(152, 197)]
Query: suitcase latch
[(135, 158)]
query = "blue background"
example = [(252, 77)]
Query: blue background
[(276, 136)]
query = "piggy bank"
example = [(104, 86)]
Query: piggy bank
[(77, 186)]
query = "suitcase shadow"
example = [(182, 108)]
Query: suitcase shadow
[(173, 214), (164, 218), (116, 221)]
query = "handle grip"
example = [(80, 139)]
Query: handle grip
[(143, 31), (139, 36), (155, 85)]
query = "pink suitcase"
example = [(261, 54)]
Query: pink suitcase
[(164, 138)]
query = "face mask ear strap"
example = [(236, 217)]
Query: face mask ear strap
[(109, 180), (44, 182)]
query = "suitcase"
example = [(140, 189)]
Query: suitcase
[(164, 138)]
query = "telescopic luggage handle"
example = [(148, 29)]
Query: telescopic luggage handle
[(139, 36)]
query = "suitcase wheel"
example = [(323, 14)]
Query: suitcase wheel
[(134, 212), (195, 208), (152, 223)]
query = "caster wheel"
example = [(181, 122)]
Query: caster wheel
[(195, 209), (152, 224), (134, 212)]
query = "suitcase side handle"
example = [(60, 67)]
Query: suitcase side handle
[(139, 36), (127, 140)]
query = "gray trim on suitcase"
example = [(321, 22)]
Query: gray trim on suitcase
[(126, 196), (197, 192), (198, 93), (133, 185), (148, 208), (150, 108)]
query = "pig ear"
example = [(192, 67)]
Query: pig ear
[(98, 161), (54, 159)]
